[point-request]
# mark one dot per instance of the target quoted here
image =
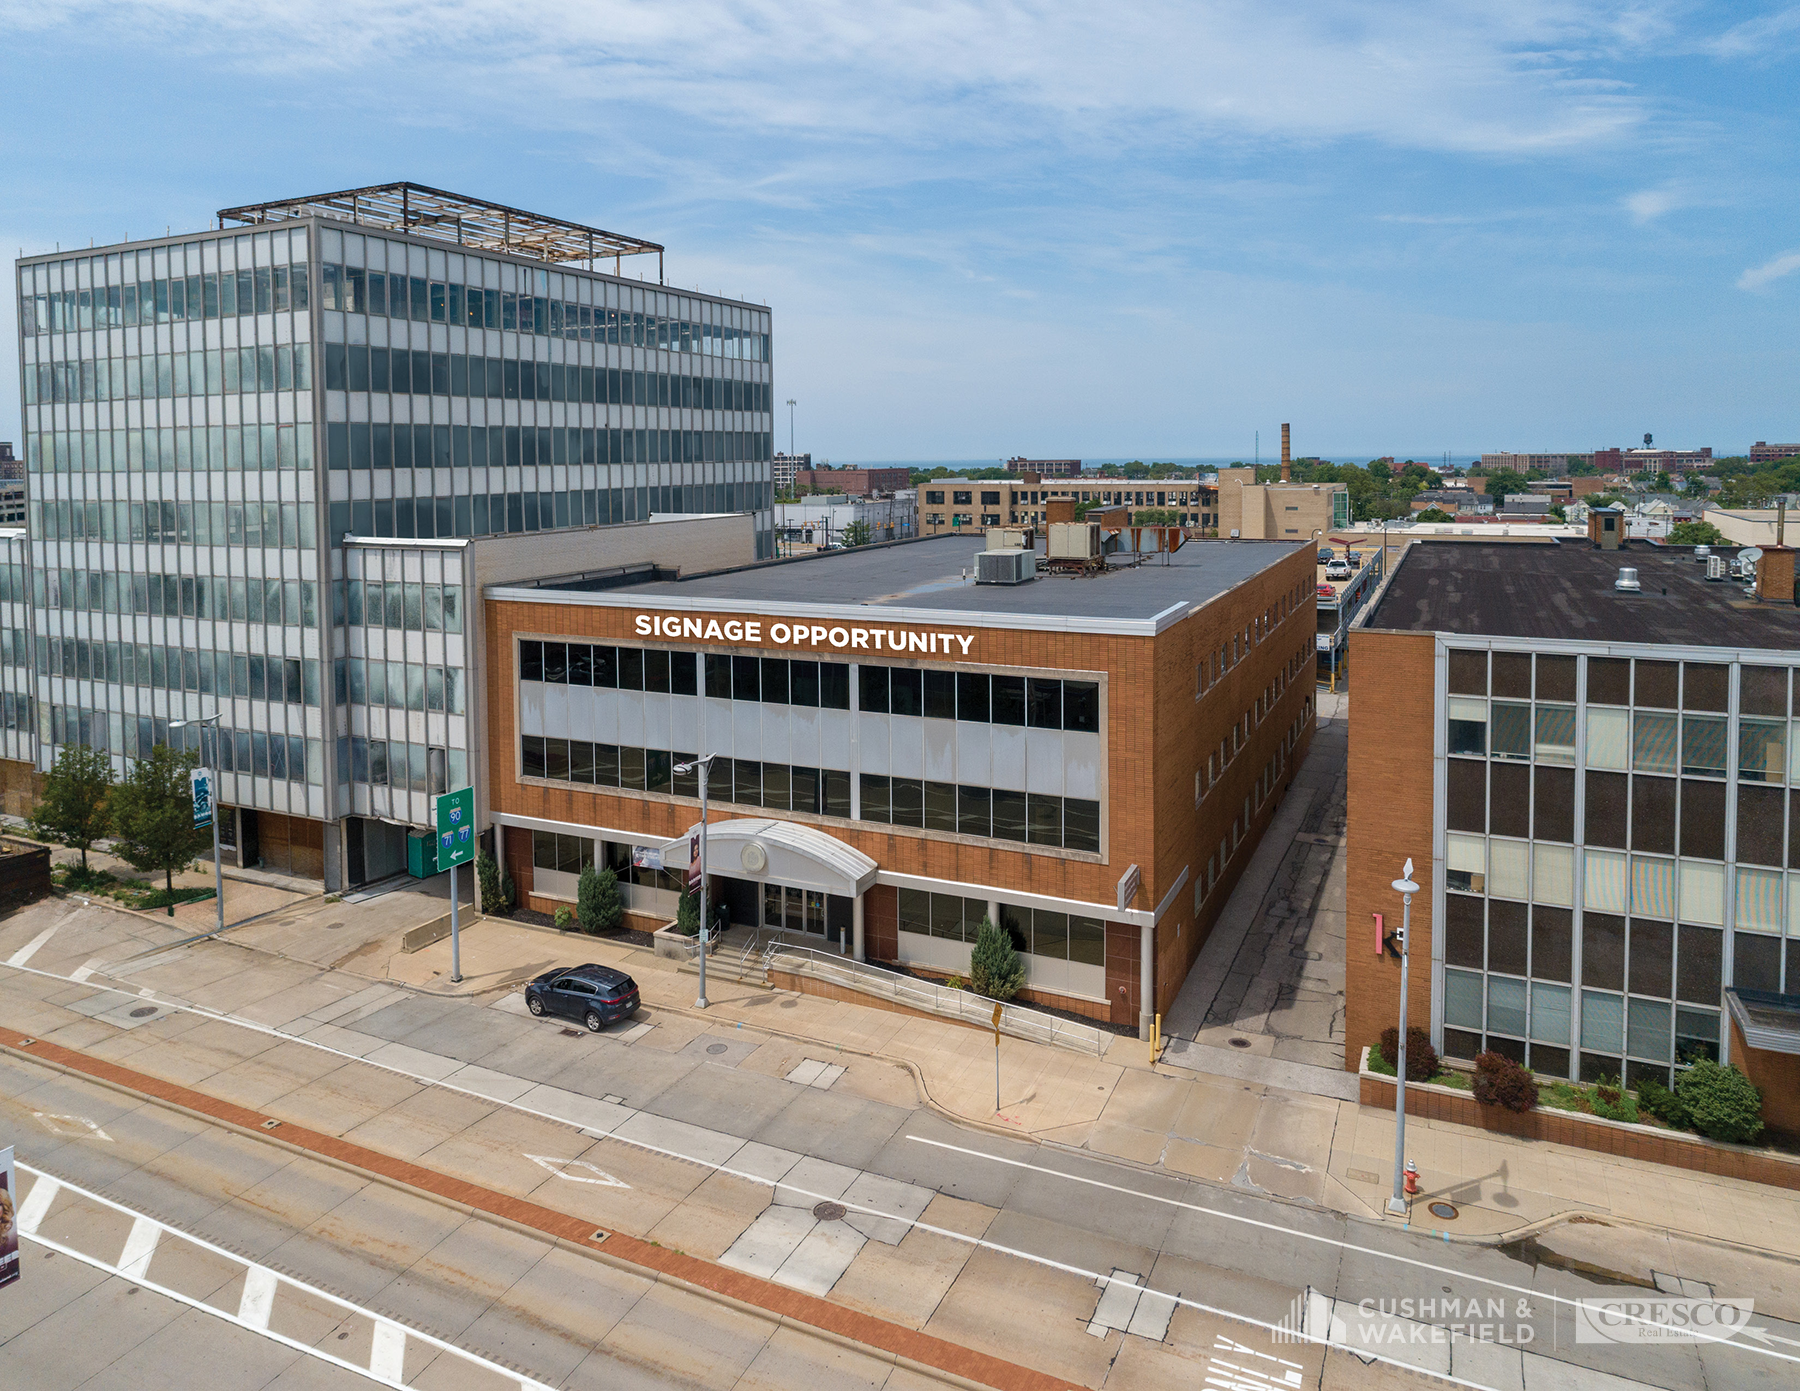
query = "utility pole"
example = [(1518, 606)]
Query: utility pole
[(790, 406)]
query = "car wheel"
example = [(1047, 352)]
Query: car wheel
[(535, 1005), (594, 1022)]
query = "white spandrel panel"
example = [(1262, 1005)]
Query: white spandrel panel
[(1008, 765), (974, 754), (803, 738), (556, 710), (834, 739), (684, 723), (872, 742), (631, 719), (746, 729), (531, 707), (777, 746), (1082, 760), (606, 715), (581, 713), (940, 750), (1044, 761), (906, 746), (656, 720)]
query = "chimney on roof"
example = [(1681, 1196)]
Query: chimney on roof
[(1286, 458)]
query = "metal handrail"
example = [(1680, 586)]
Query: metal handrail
[(1020, 1021)]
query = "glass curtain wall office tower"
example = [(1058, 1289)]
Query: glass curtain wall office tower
[(207, 417)]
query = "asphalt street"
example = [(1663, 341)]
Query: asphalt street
[(1066, 1261)]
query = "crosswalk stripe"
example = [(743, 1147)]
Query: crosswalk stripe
[(258, 1299), (30, 949)]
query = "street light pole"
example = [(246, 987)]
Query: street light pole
[(1405, 887), (790, 406), (704, 764), (218, 868)]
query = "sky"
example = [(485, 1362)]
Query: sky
[(1054, 229)]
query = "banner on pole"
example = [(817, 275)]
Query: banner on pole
[(693, 875), (9, 1219), (200, 783)]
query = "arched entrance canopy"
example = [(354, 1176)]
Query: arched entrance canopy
[(779, 852)]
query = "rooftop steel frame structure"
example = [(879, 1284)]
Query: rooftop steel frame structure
[(454, 217)]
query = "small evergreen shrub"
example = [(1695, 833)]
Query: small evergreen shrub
[(1421, 1057), (598, 903), (994, 966), (1664, 1104), (564, 915), (1608, 1100), (1722, 1103), (1499, 1081), (687, 914), (494, 899)]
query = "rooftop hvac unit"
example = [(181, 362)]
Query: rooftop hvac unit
[(1005, 567), (1073, 541), (1005, 538), (1628, 580), (1715, 567)]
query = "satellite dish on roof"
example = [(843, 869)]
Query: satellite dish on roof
[(1750, 555)]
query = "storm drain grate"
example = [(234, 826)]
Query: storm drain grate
[(143, 1011), (571, 1033), (829, 1212), (1239, 1042), (1444, 1211), (717, 1048)]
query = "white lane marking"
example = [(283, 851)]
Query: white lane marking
[(1046, 1261), (86, 969), (140, 1246), (1305, 1236), (260, 1287), (258, 1299), (37, 1203), (30, 949), (561, 1167), (69, 1127), (387, 1352)]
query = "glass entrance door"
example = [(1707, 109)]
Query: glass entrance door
[(788, 909)]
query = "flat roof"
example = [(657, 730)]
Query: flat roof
[(924, 578), (1563, 590)]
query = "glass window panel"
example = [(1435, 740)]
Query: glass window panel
[(908, 801), (974, 811), (1009, 815), (1653, 743), (1468, 672), (940, 806), (915, 911), (1704, 686), (1512, 674), (1556, 733), (947, 916), (1468, 725), (1462, 999), (803, 682), (775, 680), (1550, 1013), (872, 689), (1762, 750), (1758, 900), (747, 780), (1763, 690), (1511, 733), (1506, 869), (875, 798), (1609, 681), (906, 691), (1465, 862), (1081, 824), (1553, 875), (1608, 739), (1696, 1034), (1697, 964), (1647, 1028), (1703, 746), (1652, 887), (1050, 934), (1603, 884), (1655, 684), (1556, 678), (776, 784), (1703, 893), (1087, 941), (631, 668), (631, 768), (1008, 700), (1602, 1022), (1045, 813), (1043, 699), (972, 696)]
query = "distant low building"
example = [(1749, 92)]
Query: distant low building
[(785, 467), (1555, 464), (856, 482), (1526, 505), (1462, 502), (1046, 468), (819, 522), (1650, 460), (1763, 453)]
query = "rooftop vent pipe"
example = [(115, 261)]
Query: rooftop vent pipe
[(1286, 458), (1628, 580)]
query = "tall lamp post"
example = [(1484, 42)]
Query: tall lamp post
[(790, 406), (218, 869), (1405, 887), (704, 764)]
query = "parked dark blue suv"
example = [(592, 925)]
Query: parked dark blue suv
[(596, 995)]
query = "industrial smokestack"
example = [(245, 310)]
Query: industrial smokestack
[(1286, 458)]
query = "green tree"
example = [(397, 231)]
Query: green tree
[(1503, 483), (598, 902), (74, 809), (1156, 516), (687, 913), (153, 814), (1722, 1102), (858, 533), (1111, 471), (994, 966), (496, 885), (1434, 514), (1137, 469), (1696, 534)]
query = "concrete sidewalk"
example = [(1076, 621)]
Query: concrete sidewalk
[(1248, 1135)]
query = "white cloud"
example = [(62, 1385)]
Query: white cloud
[(1766, 36), (1458, 77), (1761, 277), (1651, 203)]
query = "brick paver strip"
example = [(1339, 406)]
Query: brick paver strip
[(921, 1349)]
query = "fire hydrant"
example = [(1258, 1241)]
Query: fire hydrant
[(1412, 1178)]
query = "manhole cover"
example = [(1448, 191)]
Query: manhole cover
[(571, 1033), (1239, 1042), (143, 1011), (717, 1048), (1446, 1211), (329, 926), (829, 1212)]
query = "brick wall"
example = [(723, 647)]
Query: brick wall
[(881, 923), (1392, 720), (1777, 1076)]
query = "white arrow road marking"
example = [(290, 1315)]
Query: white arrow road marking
[(1762, 1335), (70, 1127), (561, 1167)]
